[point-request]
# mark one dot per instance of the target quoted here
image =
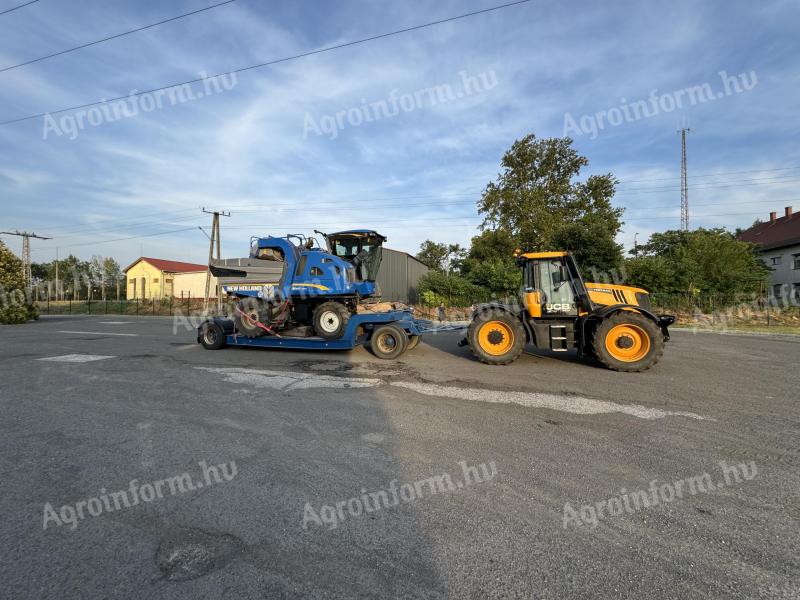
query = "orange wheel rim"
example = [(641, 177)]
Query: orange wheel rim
[(496, 338), (627, 343)]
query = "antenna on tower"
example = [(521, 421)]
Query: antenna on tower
[(684, 182), (26, 251)]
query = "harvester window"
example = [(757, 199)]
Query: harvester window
[(270, 254), (316, 272)]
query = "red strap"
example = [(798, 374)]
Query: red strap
[(257, 323)]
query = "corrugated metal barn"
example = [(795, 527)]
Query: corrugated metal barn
[(399, 275)]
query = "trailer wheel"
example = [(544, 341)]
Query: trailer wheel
[(330, 320), (388, 342), (413, 341), (628, 341), (212, 337)]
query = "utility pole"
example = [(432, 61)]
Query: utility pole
[(635, 245), (26, 252), (684, 182), (213, 245), (59, 295)]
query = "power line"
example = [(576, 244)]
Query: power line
[(18, 7), (626, 181), (82, 230), (133, 237), (712, 185), (387, 226), (272, 62), (113, 37)]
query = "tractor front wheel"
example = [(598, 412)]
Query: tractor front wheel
[(628, 341), (496, 338)]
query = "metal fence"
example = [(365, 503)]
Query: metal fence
[(165, 307)]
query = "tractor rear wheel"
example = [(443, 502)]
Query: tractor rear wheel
[(330, 320), (628, 341), (496, 338)]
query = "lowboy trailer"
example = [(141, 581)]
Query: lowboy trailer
[(388, 334)]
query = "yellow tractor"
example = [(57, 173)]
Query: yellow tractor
[(559, 312)]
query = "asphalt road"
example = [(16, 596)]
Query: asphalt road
[(557, 478)]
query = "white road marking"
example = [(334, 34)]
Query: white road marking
[(76, 358), (288, 380), (573, 404), (103, 333), (579, 405)]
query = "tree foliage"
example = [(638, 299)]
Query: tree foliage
[(79, 278), (699, 261), (15, 306), (452, 289), (539, 202), (440, 257)]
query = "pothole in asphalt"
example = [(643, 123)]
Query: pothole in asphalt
[(190, 553)]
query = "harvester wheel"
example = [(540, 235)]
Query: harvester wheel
[(628, 341), (211, 336), (330, 320), (254, 309), (388, 341), (496, 338)]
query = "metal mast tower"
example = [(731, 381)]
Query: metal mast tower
[(684, 183), (26, 251)]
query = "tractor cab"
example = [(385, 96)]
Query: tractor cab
[(552, 285), (360, 247)]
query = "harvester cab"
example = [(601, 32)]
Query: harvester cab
[(360, 247), (558, 311)]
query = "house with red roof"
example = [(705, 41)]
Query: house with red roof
[(155, 278), (779, 246)]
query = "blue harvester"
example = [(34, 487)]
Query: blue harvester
[(293, 285)]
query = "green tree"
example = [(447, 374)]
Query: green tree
[(440, 257), (701, 261), (538, 201), (15, 305)]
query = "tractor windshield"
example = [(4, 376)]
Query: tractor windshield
[(363, 250)]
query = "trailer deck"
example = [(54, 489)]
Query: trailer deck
[(394, 332)]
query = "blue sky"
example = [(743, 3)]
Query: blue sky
[(412, 176)]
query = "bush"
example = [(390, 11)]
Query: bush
[(449, 289), (15, 306)]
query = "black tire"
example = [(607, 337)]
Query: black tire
[(413, 341), (628, 341), (330, 320), (253, 308), (496, 337), (212, 337), (388, 342)]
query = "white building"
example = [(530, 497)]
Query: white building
[(779, 246)]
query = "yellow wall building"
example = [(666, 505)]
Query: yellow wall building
[(154, 278)]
